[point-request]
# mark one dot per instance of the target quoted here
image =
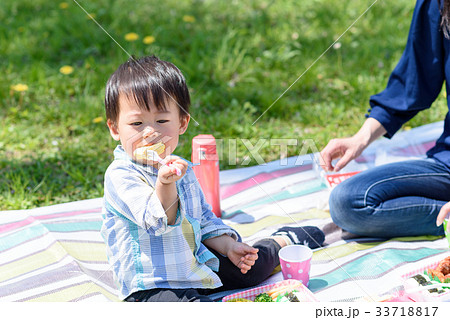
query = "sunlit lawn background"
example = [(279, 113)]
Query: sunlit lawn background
[(238, 58)]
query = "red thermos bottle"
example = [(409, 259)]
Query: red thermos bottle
[(204, 152)]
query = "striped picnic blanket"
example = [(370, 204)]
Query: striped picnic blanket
[(56, 253)]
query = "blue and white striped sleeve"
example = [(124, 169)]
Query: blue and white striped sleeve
[(128, 195), (212, 226)]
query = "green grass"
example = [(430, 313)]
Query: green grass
[(238, 58)]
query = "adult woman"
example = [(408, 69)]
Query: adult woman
[(403, 198)]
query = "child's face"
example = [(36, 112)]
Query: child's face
[(136, 127)]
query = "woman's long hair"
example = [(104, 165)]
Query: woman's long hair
[(445, 17)]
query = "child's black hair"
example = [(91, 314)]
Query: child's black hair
[(150, 82)]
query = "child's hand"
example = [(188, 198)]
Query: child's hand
[(167, 174), (242, 255), (445, 210)]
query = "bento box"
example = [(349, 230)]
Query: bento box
[(280, 292), (421, 277)]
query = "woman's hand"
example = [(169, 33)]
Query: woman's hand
[(445, 210), (346, 149), (350, 148)]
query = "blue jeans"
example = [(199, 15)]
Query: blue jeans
[(393, 200)]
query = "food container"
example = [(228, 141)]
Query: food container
[(423, 295), (332, 179), (250, 294)]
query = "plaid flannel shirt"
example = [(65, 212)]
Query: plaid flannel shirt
[(144, 251)]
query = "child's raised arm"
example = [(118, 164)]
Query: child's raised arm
[(166, 189)]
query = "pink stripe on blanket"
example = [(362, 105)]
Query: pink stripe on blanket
[(14, 225), (232, 189)]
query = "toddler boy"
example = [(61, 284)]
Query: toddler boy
[(163, 240)]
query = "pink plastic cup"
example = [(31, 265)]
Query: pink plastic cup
[(295, 261)]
